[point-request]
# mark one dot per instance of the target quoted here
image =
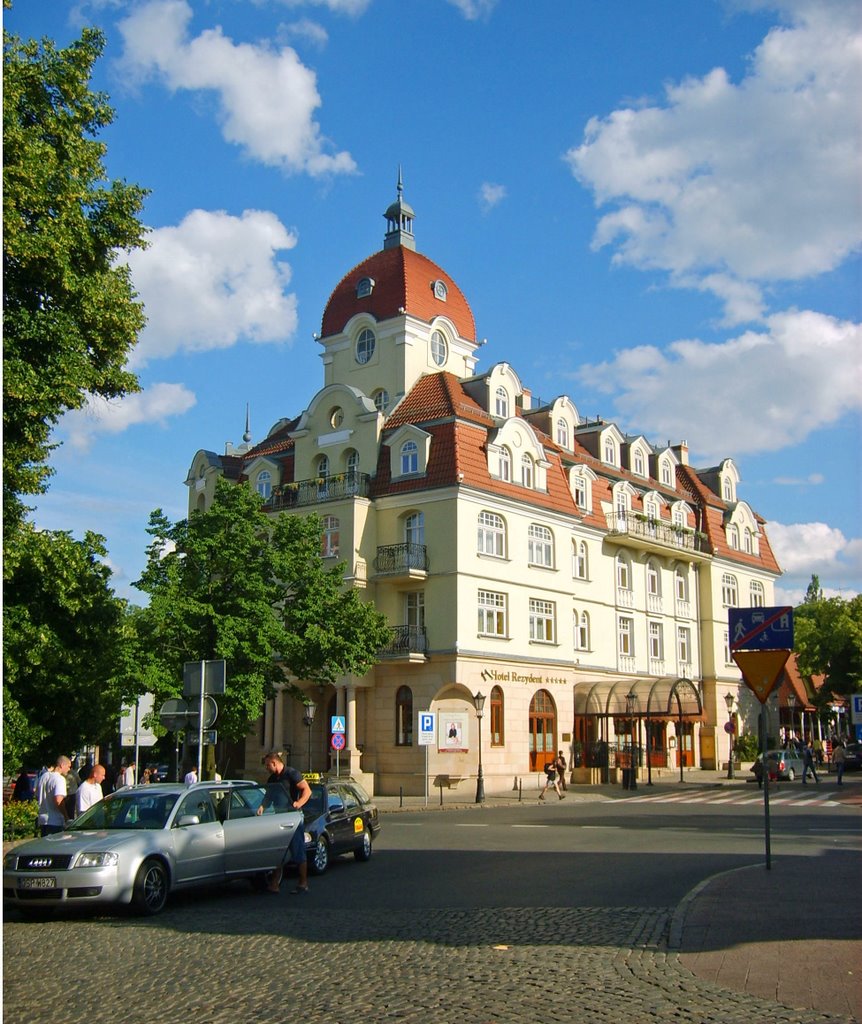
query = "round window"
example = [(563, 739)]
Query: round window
[(365, 346), (439, 349), (337, 418)]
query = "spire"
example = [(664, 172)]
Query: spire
[(247, 435), (399, 221)]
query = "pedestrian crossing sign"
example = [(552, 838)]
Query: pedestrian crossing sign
[(338, 724)]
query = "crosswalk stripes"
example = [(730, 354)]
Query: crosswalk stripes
[(735, 799)]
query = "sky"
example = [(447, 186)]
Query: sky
[(653, 208)]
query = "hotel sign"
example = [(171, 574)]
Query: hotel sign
[(494, 675)]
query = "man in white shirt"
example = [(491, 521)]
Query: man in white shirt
[(191, 777), (129, 774), (90, 792), (51, 794)]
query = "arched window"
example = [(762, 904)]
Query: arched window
[(621, 507), (639, 463), (542, 730), (666, 473), (653, 580), (409, 457), (414, 528), (439, 349), (381, 399), (497, 735), (582, 631), (264, 484), (756, 594), (579, 490), (491, 537), (562, 433), (733, 536), (527, 472), (404, 717), (365, 346), (580, 556), (330, 539), (680, 586), (540, 546), (748, 541), (351, 463), (505, 464), (501, 403), (727, 489), (624, 577), (729, 591), (610, 450), (323, 468)]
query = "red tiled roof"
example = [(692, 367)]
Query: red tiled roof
[(402, 281), (437, 396)]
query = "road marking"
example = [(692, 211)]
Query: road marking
[(531, 826), (469, 824)]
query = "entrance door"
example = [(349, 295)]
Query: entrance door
[(543, 730), (685, 743)]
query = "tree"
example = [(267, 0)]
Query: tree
[(67, 657), (828, 641), (231, 583), (69, 309)]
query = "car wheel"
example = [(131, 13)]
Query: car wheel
[(151, 887), (363, 852), (319, 860), (791, 774)]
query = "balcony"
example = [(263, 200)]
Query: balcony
[(406, 642), (314, 492), (402, 561), (638, 530)]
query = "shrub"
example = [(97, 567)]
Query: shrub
[(19, 820), (745, 748)]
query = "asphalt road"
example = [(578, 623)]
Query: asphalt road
[(553, 912)]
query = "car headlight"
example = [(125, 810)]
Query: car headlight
[(104, 859), (10, 861), (309, 837)]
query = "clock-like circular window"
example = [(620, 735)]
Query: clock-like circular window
[(365, 346), (439, 348), (336, 418)]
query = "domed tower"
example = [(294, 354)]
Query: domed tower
[(394, 317)]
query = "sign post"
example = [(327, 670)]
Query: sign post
[(199, 679), (427, 732), (338, 727), (761, 640)]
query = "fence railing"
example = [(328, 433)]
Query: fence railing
[(315, 491), (395, 558)]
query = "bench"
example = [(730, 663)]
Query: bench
[(447, 781)]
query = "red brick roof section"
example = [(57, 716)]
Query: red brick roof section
[(403, 279), (437, 396)]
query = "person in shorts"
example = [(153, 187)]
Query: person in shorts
[(286, 787)]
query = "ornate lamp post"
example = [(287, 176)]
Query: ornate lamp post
[(728, 700), (308, 721), (791, 703), (479, 704)]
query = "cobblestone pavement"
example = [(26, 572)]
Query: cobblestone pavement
[(234, 956)]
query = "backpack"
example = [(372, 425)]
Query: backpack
[(550, 771)]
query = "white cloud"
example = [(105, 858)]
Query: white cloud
[(475, 10), (307, 30), (758, 392), (351, 7), (211, 281), (812, 480), (267, 97), (157, 404), (804, 550), (490, 195), (729, 186)]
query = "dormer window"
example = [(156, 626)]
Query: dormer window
[(409, 458), (501, 403), (264, 484), (579, 490), (527, 471), (733, 536), (610, 452), (638, 463), (562, 433), (439, 348), (505, 464), (666, 477), (749, 542), (440, 290), (365, 287), (365, 346), (727, 489)]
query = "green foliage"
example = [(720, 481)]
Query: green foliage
[(828, 641), (745, 747), (231, 583), (19, 820), (66, 656), (69, 311)]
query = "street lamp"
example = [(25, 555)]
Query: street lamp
[(479, 704), (791, 703), (631, 705), (728, 700), (310, 709)]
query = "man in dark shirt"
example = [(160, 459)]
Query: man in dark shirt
[(286, 787)]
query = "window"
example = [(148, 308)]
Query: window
[(323, 468), (665, 473), (562, 433), (756, 594), (414, 528), (683, 645), (365, 287), (409, 457), (610, 450), (728, 659), (621, 506), (491, 535), (582, 631), (492, 613), (440, 290), (352, 463), (579, 489), (330, 541), (404, 717), (542, 618), (527, 471), (638, 466), (505, 464), (439, 348), (678, 516), (501, 403), (729, 591), (656, 641), (733, 536), (580, 556), (415, 609), (381, 399), (653, 580), (727, 489), (748, 541), (497, 736), (540, 544), (264, 484), (651, 511), (336, 418), (680, 586), (625, 637), (365, 346), (624, 579)]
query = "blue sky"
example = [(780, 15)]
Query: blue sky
[(651, 207)]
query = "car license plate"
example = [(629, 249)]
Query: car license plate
[(37, 882)]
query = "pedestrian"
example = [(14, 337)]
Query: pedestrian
[(191, 776), (808, 764), (51, 794), (818, 751), (838, 760), (90, 791), (560, 765), (145, 778), (551, 780), (130, 775), (772, 769), (24, 786), (286, 787)]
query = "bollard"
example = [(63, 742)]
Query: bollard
[(515, 785), (520, 789), (400, 796)]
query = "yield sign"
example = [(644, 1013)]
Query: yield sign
[(761, 670)]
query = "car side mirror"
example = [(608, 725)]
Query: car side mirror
[(188, 819)]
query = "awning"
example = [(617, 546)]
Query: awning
[(662, 697)]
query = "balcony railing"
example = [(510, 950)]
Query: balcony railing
[(401, 558), (313, 492), (634, 524), (405, 640)]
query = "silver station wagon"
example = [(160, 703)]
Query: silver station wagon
[(142, 843)]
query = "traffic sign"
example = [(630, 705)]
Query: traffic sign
[(338, 724), (210, 738), (174, 714), (214, 677), (210, 713), (338, 741), (761, 670), (856, 708), (427, 728), (761, 629)]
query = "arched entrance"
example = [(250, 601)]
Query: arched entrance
[(543, 730)]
